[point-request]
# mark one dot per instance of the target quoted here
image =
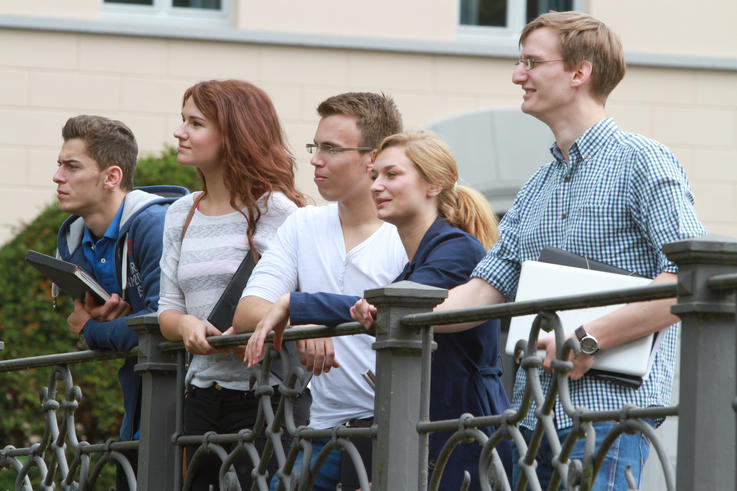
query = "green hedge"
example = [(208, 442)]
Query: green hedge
[(30, 327)]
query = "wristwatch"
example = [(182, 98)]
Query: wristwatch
[(589, 344)]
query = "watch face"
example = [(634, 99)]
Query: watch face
[(589, 345)]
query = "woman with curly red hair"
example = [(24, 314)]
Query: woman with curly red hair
[(230, 132)]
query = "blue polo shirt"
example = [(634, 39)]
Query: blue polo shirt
[(100, 254)]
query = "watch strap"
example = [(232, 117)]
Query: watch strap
[(580, 333)]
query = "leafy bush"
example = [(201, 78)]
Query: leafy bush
[(30, 327)]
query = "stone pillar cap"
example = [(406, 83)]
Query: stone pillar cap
[(407, 289)]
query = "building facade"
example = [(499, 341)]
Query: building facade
[(132, 60)]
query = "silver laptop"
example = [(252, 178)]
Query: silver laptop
[(544, 280)]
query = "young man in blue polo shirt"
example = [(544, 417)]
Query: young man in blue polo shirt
[(609, 195), (115, 233)]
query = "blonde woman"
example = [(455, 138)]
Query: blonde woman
[(445, 230)]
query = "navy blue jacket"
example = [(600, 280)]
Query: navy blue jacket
[(465, 367), (140, 234)]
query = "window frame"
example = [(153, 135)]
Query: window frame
[(163, 11), (516, 21)]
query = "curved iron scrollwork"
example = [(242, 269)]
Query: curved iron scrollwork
[(571, 474), (51, 461), (49, 457)]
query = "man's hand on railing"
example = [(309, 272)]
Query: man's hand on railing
[(581, 364), (114, 308), (276, 319), (317, 355), (364, 313)]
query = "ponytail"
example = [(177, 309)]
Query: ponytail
[(467, 209)]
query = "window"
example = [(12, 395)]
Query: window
[(492, 13), (505, 17), (202, 12), (196, 4)]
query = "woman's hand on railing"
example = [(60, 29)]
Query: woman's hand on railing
[(194, 333), (364, 313), (276, 319)]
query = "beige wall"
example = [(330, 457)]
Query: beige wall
[(413, 19), (676, 27), (49, 76), (72, 9)]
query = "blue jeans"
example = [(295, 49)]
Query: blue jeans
[(627, 450), (329, 473)]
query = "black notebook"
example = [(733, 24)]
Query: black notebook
[(554, 255), (72, 279), (223, 311)]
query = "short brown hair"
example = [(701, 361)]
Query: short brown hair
[(377, 115), (108, 141), (585, 38)]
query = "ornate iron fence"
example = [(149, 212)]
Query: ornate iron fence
[(707, 455)]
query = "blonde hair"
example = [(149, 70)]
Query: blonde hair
[(585, 38), (461, 206)]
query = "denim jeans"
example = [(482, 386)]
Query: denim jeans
[(627, 450), (329, 473)]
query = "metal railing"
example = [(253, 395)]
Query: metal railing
[(707, 432)]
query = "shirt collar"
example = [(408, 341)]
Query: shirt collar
[(589, 142), (112, 229)]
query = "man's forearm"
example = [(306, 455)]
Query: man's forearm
[(634, 320), (476, 293), (249, 312)]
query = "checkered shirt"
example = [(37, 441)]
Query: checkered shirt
[(619, 200)]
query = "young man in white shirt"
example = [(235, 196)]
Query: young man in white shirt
[(340, 248)]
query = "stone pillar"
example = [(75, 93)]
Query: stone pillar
[(707, 424), (159, 393), (398, 369)]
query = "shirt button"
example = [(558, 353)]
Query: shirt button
[(102, 260), (566, 179), (564, 216)]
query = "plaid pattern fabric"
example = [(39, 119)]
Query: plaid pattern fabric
[(619, 200)]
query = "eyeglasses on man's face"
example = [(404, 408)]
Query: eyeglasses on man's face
[(332, 149), (530, 63)]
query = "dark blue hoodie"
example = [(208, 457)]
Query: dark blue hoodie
[(137, 252)]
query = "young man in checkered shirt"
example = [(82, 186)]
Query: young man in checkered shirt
[(609, 195)]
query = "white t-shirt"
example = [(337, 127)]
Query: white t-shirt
[(195, 272), (308, 254)]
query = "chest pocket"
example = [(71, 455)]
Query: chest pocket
[(600, 222)]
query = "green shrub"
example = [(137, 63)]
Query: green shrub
[(30, 327)]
